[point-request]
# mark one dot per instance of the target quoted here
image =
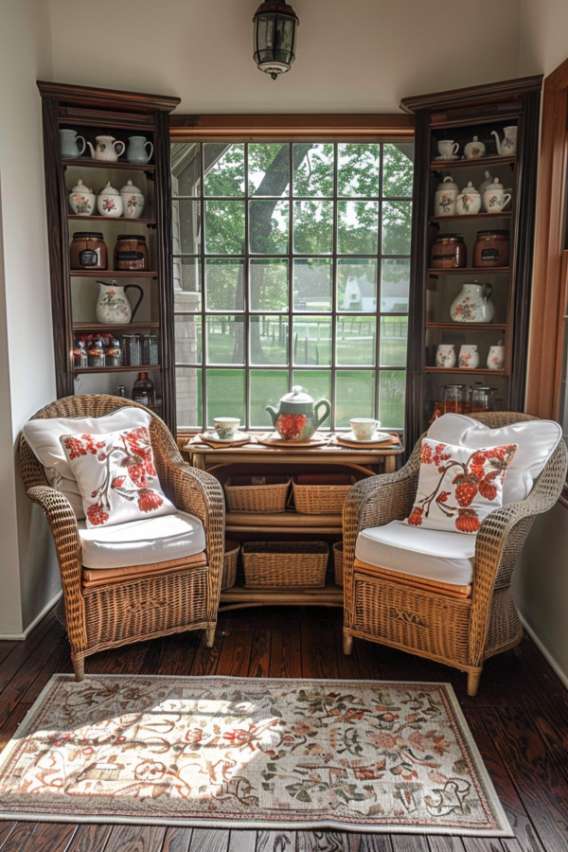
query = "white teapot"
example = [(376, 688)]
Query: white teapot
[(506, 147), (107, 148), (468, 202), (495, 197), (445, 197), (109, 202), (474, 149)]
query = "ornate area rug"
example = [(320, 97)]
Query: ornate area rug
[(250, 753)]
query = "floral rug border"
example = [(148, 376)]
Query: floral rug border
[(501, 827)]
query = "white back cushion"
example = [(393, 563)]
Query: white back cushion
[(536, 441), (43, 436)]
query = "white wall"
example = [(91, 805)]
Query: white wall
[(543, 44), (363, 55), (28, 578)]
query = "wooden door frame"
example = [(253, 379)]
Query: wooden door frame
[(550, 277)]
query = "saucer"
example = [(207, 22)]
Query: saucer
[(452, 157), (377, 438), (211, 437)]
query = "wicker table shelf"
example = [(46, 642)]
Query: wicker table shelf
[(256, 525)]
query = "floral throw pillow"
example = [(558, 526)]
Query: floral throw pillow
[(458, 487), (116, 475)]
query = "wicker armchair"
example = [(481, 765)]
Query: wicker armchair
[(458, 633), (166, 601)]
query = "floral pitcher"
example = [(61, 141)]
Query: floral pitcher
[(113, 306)]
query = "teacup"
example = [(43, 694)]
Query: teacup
[(226, 427), (363, 427), (448, 148)]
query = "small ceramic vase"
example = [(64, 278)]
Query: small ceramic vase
[(107, 148), (82, 199), (474, 149), (495, 198), (468, 202), (109, 202), (445, 197), (71, 144), (469, 356), (140, 149), (473, 304), (132, 201), (496, 357), (446, 356)]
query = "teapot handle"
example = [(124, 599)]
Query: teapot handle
[(325, 404), (140, 297), (83, 143), (119, 147)]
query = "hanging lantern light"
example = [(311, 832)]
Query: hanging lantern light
[(275, 25)]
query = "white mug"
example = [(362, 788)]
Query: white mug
[(363, 427), (448, 148), (226, 427)]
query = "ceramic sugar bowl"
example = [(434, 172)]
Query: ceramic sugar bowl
[(82, 199), (496, 356), (446, 356), (468, 202), (132, 200), (468, 357), (445, 197), (495, 197), (109, 202), (473, 304), (474, 149)]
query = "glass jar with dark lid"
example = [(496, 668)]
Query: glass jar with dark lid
[(449, 252), (131, 252), (491, 249), (88, 251)]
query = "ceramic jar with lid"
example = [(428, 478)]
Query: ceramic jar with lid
[(496, 356), (131, 253), (495, 197), (468, 202), (82, 199), (469, 356), (445, 197), (109, 202), (474, 149), (446, 356), (491, 249), (448, 252), (88, 251), (132, 200)]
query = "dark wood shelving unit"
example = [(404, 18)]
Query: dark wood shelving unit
[(131, 327), (122, 220), (115, 165), (124, 369), (459, 115), (110, 273)]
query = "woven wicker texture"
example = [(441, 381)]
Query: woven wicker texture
[(133, 611), (285, 564), (230, 564), (319, 499), (458, 633), (270, 497), (338, 562)]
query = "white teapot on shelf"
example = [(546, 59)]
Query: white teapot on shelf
[(107, 148), (507, 146)]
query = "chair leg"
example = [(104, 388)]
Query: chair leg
[(473, 682), (78, 667), (347, 643), (210, 636)]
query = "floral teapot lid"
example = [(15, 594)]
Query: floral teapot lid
[(469, 189), (81, 187), (447, 183), (495, 183), (297, 395), (129, 187), (109, 189)]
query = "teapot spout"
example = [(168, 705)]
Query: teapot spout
[(497, 141), (273, 413)]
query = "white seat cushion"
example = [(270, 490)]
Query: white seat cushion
[(536, 441), (438, 555), (157, 539)]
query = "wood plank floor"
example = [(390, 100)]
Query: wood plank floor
[(519, 720)]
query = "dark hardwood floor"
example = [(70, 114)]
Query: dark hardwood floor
[(519, 720)]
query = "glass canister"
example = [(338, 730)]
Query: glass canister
[(80, 357), (449, 252), (150, 350), (132, 350), (482, 398), (96, 353), (455, 399), (491, 249), (131, 253), (114, 353)]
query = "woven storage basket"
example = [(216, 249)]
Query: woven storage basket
[(285, 564), (230, 563), (338, 562), (320, 499), (269, 496)]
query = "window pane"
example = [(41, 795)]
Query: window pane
[(268, 226), (225, 339), (318, 385), (187, 284), (397, 225), (225, 394), (189, 404), (312, 341), (188, 339), (269, 285), (395, 285), (398, 169), (224, 227), (186, 227), (354, 395), (358, 169), (313, 168), (269, 168), (186, 168), (392, 388), (357, 227), (394, 334), (312, 284), (224, 284), (269, 339), (224, 168), (266, 388), (313, 227), (355, 341), (357, 285)]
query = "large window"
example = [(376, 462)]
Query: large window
[(291, 266)]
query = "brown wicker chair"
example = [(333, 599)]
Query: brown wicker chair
[(176, 599), (459, 633)]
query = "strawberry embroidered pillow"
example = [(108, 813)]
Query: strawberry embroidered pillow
[(458, 487), (116, 476)]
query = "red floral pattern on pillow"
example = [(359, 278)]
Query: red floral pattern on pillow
[(124, 473), (458, 487)]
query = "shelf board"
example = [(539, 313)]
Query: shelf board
[(478, 371), (505, 214), (142, 368), (437, 165), (468, 270), (468, 326), (109, 273), (104, 327), (281, 522), (118, 165), (120, 219), (239, 596)]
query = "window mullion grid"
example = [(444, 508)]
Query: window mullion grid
[(377, 381), (246, 285), (334, 288), (204, 353)]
